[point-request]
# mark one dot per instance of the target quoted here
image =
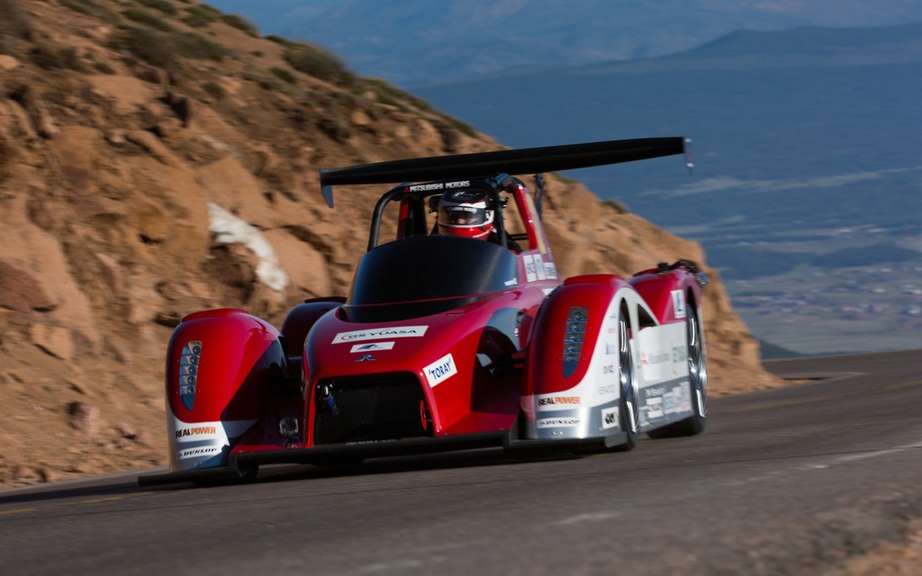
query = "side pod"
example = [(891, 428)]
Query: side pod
[(219, 364), (572, 386)]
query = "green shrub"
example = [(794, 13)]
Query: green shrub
[(88, 7), (14, 22), (162, 5), (384, 92), (268, 84), (146, 45), (103, 68), (7, 154), (283, 75), (278, 40), (240, 23), (194, 46), (617, 206), (389, 94), (336, 127), (164, 49), (460, 126), (214, 90), (51, 58), (200, 15), (318, 63), (148, 19)]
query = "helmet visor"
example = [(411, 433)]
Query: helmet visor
[(464, 215)]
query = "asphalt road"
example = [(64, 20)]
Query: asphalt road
[(783, 482)]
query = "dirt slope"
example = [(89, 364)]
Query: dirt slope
[(157, 157)]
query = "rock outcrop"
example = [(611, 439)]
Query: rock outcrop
[(154, 165)]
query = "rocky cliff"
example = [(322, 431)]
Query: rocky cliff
[(158, 157)]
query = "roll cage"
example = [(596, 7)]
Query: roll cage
[(412, 219), (491, 171)]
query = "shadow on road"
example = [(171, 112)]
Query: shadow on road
[(285, 473)]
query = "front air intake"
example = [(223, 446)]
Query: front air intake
[(370, 408)]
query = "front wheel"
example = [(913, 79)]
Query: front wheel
[(628, 406), (697, 383)]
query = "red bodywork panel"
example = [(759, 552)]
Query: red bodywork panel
[(656, 288), (545, 360), (240, 354)]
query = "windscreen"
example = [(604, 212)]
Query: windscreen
[(430, 267)]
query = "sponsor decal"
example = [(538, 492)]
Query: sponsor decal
[(654, 407), (511, 282), (189, 361), (440, 370), (678, 303), (678, 399), (609, 417), (607, 390), (539, 267), (440, 186), (679, 354), (187, 453), (608, 369), (196, 432), (655, 358), (372, 346), (562, 401), (564, 422), (530, 274), (380, 333), (366, 358), (550, 270)]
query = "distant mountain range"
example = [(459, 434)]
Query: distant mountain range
[(818, 120), (416, 42), (808, 145)]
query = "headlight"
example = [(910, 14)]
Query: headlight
[(573, 337), (189, 361)]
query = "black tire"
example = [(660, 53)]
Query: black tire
[(628, 407), (697, 381)]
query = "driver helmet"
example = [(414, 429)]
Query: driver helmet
[(465, 213)]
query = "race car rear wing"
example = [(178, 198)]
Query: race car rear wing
[(512, 162)]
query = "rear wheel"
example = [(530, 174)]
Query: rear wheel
[(697, 382)]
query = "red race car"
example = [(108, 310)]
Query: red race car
[(458, 333)]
